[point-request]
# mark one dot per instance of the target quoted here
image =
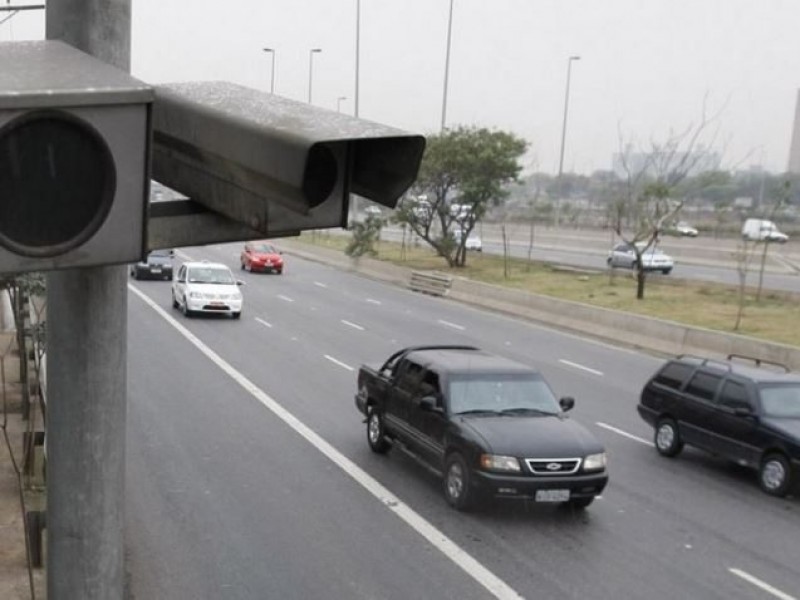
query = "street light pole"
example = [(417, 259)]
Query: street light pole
[(563, 139), (339, 103), (447, 66), (311, 54), (272, 70), (358, 54)]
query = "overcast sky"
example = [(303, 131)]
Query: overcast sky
[(646, 65)]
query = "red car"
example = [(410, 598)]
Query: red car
[(261, 256)]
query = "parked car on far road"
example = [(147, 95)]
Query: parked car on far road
[(682, 229), (624, 256), (261, 256), (473, 240)]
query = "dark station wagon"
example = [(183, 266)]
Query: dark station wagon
[(743, 409), (490, 426)]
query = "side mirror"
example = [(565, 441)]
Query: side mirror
[(240, 282), (429, 404), (744, 411), (567, 403)]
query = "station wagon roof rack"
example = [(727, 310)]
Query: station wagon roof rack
[(706, 361), (759, 361)]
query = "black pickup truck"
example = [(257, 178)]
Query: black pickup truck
[(491, 426)]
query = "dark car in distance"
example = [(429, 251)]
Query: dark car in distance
[(742, 409), (156, 265), (489, 425)]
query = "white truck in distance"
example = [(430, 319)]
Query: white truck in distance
[(762, 230)]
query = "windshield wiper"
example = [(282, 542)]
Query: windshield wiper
[(479, 411), (523, 410)]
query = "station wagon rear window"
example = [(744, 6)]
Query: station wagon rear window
[(673, 375)]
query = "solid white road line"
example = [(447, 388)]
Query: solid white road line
[(263, 322), (630, 436), (183, 255), (491, 582), (761, 584), (453, 325), (285, 298), (338, 362), (581, 367), (353, 325)]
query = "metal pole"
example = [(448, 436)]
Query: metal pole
[(87, 362), (339, 103), (272, 70), (447, 66), (358, 54), (563, 138), (311, 54)]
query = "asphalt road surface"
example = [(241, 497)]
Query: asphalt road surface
[(249, 475)]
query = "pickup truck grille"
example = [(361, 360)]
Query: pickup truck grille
[(553, 466)]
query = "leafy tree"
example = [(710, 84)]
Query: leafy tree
[(366, 234), (464, 171)]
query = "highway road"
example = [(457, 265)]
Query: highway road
[(703, 258), (249, 475)]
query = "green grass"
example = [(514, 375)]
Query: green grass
[(776, 317)]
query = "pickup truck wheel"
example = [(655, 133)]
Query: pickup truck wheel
[(775, 475), (376, 436), (457, 484), (667, 438)]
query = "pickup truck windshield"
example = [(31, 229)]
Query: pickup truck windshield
[(494, 392)]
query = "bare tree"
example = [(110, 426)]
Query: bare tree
[(646, 196)]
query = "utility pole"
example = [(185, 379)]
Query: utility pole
[(87, 371)]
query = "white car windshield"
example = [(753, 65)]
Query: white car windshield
[(498, 393), (210, 275)]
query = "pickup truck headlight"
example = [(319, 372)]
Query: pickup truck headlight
[(595, 462), (494, 462)]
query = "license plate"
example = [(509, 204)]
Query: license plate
[(552, 495), (216, 303), (155, 270)]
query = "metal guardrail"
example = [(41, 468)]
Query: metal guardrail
[(433, 283)]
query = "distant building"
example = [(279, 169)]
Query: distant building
[(700, 161)]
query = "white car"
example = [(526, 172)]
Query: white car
[(473, 241), (206, 287), (624, 256), (683, 228)]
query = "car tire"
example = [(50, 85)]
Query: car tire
[(775, 475), (174, 302), (667, 438), (241, 266), (457, 483), (279, 271), (237, 315), (376, 434), (248, 267), (185, 308), (666, 271), (579, 503)]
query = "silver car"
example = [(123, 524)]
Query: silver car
[(624, 256)]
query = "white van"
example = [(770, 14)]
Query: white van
[(762, 230)]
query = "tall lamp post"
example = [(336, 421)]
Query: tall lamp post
[(358, 55), (272, 70), (563, 138), (339, 103), (311, 54), (447, 66)]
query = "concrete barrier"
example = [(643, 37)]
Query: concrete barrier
[(656, 335)]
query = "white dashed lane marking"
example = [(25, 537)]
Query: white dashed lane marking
[(569, 363), (353, 325), (340, 363), (630, 436), (453, 325)]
